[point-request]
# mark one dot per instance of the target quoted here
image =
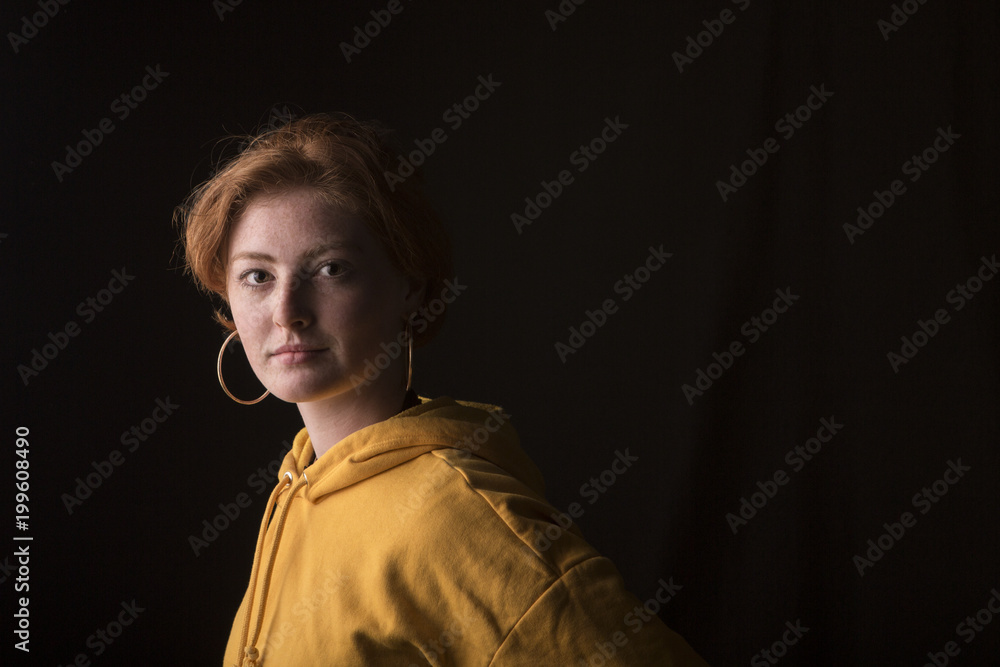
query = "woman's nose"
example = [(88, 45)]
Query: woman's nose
[(292, 308)]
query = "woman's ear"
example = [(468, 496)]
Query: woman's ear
[(413, 295)]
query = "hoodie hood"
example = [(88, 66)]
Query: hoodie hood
[(443, 423)]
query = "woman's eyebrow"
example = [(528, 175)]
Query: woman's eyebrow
[(333, 245), (311, 254), (256, 256)]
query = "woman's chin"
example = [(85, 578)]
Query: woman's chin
[(307, 385), (310, 392)]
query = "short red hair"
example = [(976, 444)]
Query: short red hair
[(345, 161)]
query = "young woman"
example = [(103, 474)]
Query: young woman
[(403, 530)]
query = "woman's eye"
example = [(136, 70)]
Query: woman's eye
[(332, 269), (255, 277)]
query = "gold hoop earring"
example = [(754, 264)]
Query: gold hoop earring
[(409, 362), (218, 368)]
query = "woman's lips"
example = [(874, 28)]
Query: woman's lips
[(297, 354)]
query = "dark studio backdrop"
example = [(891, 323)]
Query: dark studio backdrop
[(806, 392)]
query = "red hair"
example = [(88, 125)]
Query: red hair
[(346, 162)]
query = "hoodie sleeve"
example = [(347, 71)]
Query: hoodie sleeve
[(587, 614)]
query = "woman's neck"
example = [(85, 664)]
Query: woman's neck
[(332, 419)]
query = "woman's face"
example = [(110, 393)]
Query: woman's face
[(313, 295)]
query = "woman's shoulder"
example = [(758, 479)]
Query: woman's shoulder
[(451, 493)]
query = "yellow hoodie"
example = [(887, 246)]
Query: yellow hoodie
[(413, 542)]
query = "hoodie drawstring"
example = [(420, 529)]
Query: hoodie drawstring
[(251, 654)]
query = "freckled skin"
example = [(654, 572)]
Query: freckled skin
[(327, 283)]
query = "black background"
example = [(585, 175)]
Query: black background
[(826, 357)]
